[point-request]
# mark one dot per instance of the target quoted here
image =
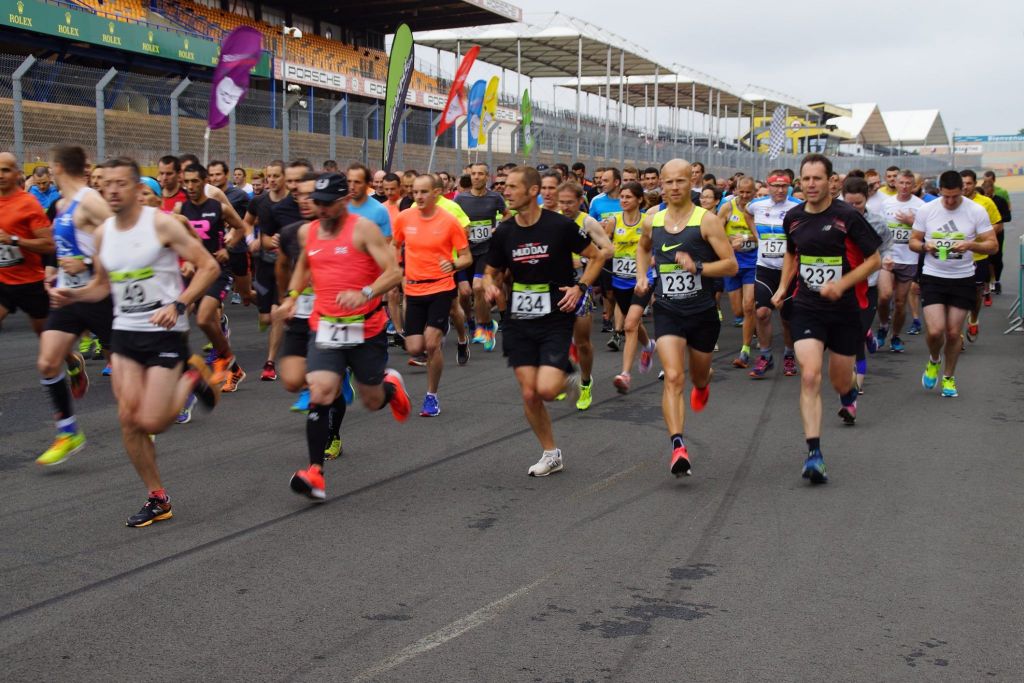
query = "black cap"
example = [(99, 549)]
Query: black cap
[(542, 167), (330, 187)]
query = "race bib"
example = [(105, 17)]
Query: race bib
[(749, 244), (340, 333), (479, 231), (304, 303), (10, 255), (817, 271), (624, 267), (677, 283), (135, 291), (944, 245), (530, 301), (900, 233), (74, 281), (773, 245)]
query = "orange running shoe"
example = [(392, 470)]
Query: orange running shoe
[(235, 376), (221, 370), (400, 405), (310, 483), (699, 398), (680, 462)]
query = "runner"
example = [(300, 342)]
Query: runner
[(536, 247), (625, 233), (138, 249), (484, 208), (570, 196), (263, 256), (767, 214), (430, 236), (899, 268), (687, 247), (830, 251), (351, 266), (78, 217), (982, 270), (944, 231), (169, 176), (740, 287), (238, 254), (25, 237), (603, 207)]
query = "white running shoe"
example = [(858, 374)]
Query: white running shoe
[(548, 463)]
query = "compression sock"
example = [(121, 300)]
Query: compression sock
[(318, 431)]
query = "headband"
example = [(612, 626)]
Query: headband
[(151, 184), (778, 179)]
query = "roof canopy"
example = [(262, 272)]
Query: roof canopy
[(865, 125), (549, 48), (385, 16), (917, 127), (768, 99), (695, 92)]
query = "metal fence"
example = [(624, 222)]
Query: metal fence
[(111, 112)]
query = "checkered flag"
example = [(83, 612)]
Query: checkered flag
[(777, 132)]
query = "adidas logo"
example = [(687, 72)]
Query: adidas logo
[(950, 226)]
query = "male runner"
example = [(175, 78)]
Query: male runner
[(570, 196), (79, 214), (651, 179), (238, 254), (350, 265), (484, 208), (743, 238), (831, 250), (603, 207), (536, 247), (25, 237), (944, 231), (168, 174), (430, 236), (687, 246), (378, 186), (982, 270), (899, 268), (767, 214), (238, 177), (138, 249), (361, 203), (889, 188)]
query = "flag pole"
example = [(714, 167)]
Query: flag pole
[(433, 146), (206, 147)]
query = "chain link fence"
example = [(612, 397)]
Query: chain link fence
[(110, 112)]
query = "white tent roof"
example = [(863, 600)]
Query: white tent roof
[(916, 127), (549, 47), (865, 125)]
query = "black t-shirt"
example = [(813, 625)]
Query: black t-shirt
[(289, 238), (1002, 206), (540, 254), (405, 203), (828, 245), (279, 214), (207, 220)]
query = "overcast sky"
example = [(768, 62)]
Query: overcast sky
[(961, 58)]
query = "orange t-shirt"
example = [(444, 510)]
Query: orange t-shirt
[(427, 241), (21, 215)]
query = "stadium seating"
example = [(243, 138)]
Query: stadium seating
[(116, 9)]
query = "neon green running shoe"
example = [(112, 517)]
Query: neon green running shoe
[(333, 450), (85, 344), (949, 387), (63, 447), (931, 374), (586, 397)]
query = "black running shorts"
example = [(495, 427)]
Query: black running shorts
[(700, 330), (840, 331), (80, 316), (538, 342), (151, 349), (958, 293), (31, 298)]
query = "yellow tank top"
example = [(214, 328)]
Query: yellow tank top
[(625, 239), (737, 226)]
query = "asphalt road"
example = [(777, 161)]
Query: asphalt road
[(437, 559)]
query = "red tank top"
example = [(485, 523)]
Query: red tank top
[(337, 266)]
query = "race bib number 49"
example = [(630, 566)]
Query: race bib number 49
[(530, 301), (817, 271), (135, 291)]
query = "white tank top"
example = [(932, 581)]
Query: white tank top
[(144, 275)]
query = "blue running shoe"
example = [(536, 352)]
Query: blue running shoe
[(883, 332), (949, 387), (896, 345), (185, 416), (870, 342), (211, 356), (430, 406), (930, 377), (737, 321), (301, 404), (915, 327), (814, 468), (347, 390), (106, 370)]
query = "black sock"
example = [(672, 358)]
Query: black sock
[(586, 383), (60, 395), (849, 399), (677, 441), (337, 414), (814, 444), (389, 393), (318, 429)]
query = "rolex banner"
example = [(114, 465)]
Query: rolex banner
[(489, 110), (526, 114), (400, 66), (239, 53)]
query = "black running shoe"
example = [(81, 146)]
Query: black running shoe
[(155, 510), (463, 355), (606, 326)]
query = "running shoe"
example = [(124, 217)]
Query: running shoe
[(211, 355), (489, 340), (997, 288), (236, 298), (84, 344), (621, 382), (478, 335), (235, 377), (680, 465), (549, 463), (269, 373), (419, 361), (399, 340), (333, 450), (761, 367), (310, 483), (661, 375), (107, 370), (987, 299), (400, 405), (742, 360), (221, 370), (896, 345), (930, 377), (647, 357), (301, 404), (78, 378), (915, 327), (390, 330), (430, 408), (97, 350), (155, 510), (883, 332), (972, 330), (495, 327), (204, 390), (571, 388), (870, 342), (699, 398), (606, 326), (814, 468), (185, 416), (789, 366), (463, 354), (225, 326), (737, 321), (949, 387), (63, 447), (586, 396), (720, 317), (849, 414), (615, 342)]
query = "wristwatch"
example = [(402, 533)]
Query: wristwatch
[(699, 266), (180, 307), (14, 240), (367, 291), (87, 261)]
